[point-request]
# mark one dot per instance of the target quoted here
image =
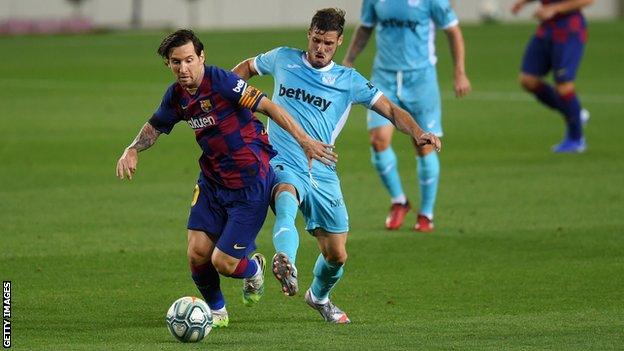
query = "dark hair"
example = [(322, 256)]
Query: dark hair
[(177, 39), (330, 19)]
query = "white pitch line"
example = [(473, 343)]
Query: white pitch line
[(523, 97)]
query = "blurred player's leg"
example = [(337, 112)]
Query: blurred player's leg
[(428, 177), (421, 97), (385, 162)]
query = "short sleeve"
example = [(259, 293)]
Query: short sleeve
[(362, 91), (368, 17), (235, 89), (265, 63), (167, 115), (443, 14)]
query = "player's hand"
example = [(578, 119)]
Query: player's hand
[(126, 166), (429, 139), (462, 85), (316, 150), (517, 6), (545, 12)]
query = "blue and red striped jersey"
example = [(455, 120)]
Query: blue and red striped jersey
[(563, 26), (235, 146)]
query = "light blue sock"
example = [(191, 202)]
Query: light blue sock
[(285, 236), (428, 176), (385, 163), (326, 275)]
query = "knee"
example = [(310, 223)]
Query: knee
[(564, 88), (378, 142), (223, 266), (529, 83), (337, 258), (196, 257)]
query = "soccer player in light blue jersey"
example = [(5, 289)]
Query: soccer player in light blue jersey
[(404, 69), (318, 93)]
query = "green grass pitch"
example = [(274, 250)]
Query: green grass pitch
[(528, 252)]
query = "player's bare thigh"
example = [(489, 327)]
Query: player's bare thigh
[(332, 245)]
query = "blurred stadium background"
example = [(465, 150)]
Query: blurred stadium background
[(528, 253), (44, 15)]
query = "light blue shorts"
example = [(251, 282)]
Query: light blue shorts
[(320, 198), (416, 91)]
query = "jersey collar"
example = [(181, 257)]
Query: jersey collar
[(309, 65)]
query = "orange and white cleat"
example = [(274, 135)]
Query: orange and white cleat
[(397, 215), (423, 224)]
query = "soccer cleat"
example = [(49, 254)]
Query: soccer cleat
[(220, 318), (253, 287), (328, 311), (423, 224), (286, 274), (570, 146), (397, 215), (584, 116)]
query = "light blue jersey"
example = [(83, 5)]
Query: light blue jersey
[(319, 99), (405, 31)]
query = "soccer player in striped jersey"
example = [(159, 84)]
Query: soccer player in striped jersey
[(557, 46), (404, 69), (232, 195), (318, 93)]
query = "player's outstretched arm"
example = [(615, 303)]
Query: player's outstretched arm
[(404, 122), (245, 69), (461, 84), (314, 149), (518, 5), (357, 45), (126, 165)]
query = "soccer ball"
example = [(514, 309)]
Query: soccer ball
[(489, 11), (189, 319)]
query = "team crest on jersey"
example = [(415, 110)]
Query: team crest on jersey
[(206, 105), (328, 79)]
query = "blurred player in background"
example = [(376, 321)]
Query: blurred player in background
[(318, 93), (404, 69), (557, 46), (232, 194)]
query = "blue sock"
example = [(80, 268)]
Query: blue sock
[(428, 176), (571, 108), (207, 280), (326, 275), (285, 236), (385, 163), (547, 95)]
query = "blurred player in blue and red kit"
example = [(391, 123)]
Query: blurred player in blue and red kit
[(557, 46), (232, 195)]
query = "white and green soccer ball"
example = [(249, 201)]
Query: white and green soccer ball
[(189, 319), (489, 11)]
